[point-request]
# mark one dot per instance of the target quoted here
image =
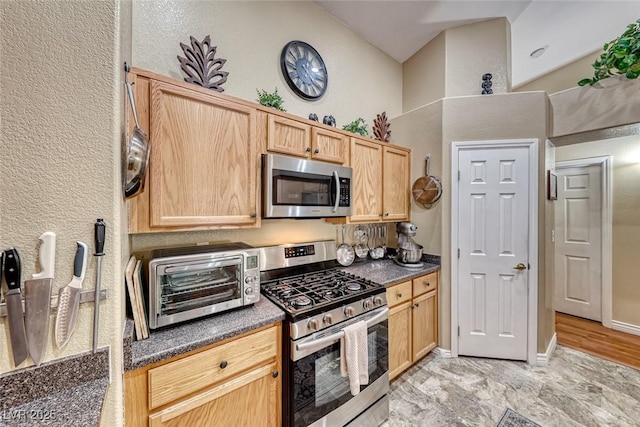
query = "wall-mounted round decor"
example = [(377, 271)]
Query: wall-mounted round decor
[(304, 70)]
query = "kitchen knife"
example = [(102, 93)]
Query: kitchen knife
[(37, 298), (99, 235), (14, 306), (69, 298)]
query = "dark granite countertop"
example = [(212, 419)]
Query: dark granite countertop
[(63, 392), (386, 272), (169, 342)]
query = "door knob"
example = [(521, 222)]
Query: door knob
[(520, 266)]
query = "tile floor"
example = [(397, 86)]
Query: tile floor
[(575, 389)]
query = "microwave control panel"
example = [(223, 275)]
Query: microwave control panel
[(345, 192)]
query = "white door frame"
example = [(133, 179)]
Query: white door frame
[(532, 315), (607, 234)]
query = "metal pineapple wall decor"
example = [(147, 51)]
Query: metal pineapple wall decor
[(381, 127), (201, 66)]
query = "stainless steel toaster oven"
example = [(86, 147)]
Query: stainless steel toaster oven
[(190, 282)]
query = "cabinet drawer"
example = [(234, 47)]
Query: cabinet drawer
[(399, 293), (425, 284), (182, 377)]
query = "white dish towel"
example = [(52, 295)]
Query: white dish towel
[(354, 355)]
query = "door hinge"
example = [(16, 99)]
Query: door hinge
[(458, 252), (528, 266), (458, 330), (458, 175)]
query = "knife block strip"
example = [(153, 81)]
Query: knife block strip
[(85, 296)]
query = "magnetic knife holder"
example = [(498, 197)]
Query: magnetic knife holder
[(85, 296)]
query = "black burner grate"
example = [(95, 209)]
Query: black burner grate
[(308, 291)]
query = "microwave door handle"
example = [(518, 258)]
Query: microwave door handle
[(322, 342), (336, 178)]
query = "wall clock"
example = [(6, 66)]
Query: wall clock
[(304, 70)]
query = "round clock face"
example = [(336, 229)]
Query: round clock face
[(304, 70)]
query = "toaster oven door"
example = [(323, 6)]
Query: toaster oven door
[(187, 290)]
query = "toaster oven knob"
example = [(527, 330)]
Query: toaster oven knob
[(367, 304), (327, 320), (248, 291), (378, 301), (312, 325), (248, 280), (349, 311)]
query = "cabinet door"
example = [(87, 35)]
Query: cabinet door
[(396, 187), (425, 324), (288, 137), (252, 399), (204, 162), (329, 146), (399, 339), (366, 161)]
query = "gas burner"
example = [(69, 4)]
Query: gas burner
[(353, 286), (301, 301)]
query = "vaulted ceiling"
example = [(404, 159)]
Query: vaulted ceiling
[(568, 29)]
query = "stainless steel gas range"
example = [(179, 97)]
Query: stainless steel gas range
[(319, 301)]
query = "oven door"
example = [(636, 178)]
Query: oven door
[(318, 390), (187, 290)]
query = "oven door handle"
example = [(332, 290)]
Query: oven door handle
[(322, 342)]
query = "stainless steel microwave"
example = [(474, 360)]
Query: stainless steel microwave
[(190, 282), (299, 188)]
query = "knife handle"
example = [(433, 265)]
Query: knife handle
[(46, 256), (80, 261), (12, 268), (99, 235)]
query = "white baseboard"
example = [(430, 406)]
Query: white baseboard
[(625, 327), (442, 352), (542, 359)]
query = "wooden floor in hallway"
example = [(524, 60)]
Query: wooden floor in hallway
[(593, 338)]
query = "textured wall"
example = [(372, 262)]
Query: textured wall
[(476, 49), (507, 116), (610, 102), (424, 75), (625, 152), (363, 81), (421, 130), (60, 165), (563, 78), (453, 63)]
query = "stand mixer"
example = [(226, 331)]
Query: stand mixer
[(409, 252)]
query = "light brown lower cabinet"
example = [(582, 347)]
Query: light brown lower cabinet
[(235, 382), (413, 321)]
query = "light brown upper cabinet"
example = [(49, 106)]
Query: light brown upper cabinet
[(381, 187), (395, 184), (204, 162), (294, 138)]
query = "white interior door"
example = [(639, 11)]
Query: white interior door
[(493, 239), (578, 225)]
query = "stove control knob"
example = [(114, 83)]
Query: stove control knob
[(248, 280), (312, 325), (327, 320), (367, 304), (378, 301), (349, 311)]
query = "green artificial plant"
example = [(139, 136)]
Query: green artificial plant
[(621, 56), (358, 126), (273, 100)]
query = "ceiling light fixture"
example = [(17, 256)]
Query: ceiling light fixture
[(539, 52)]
